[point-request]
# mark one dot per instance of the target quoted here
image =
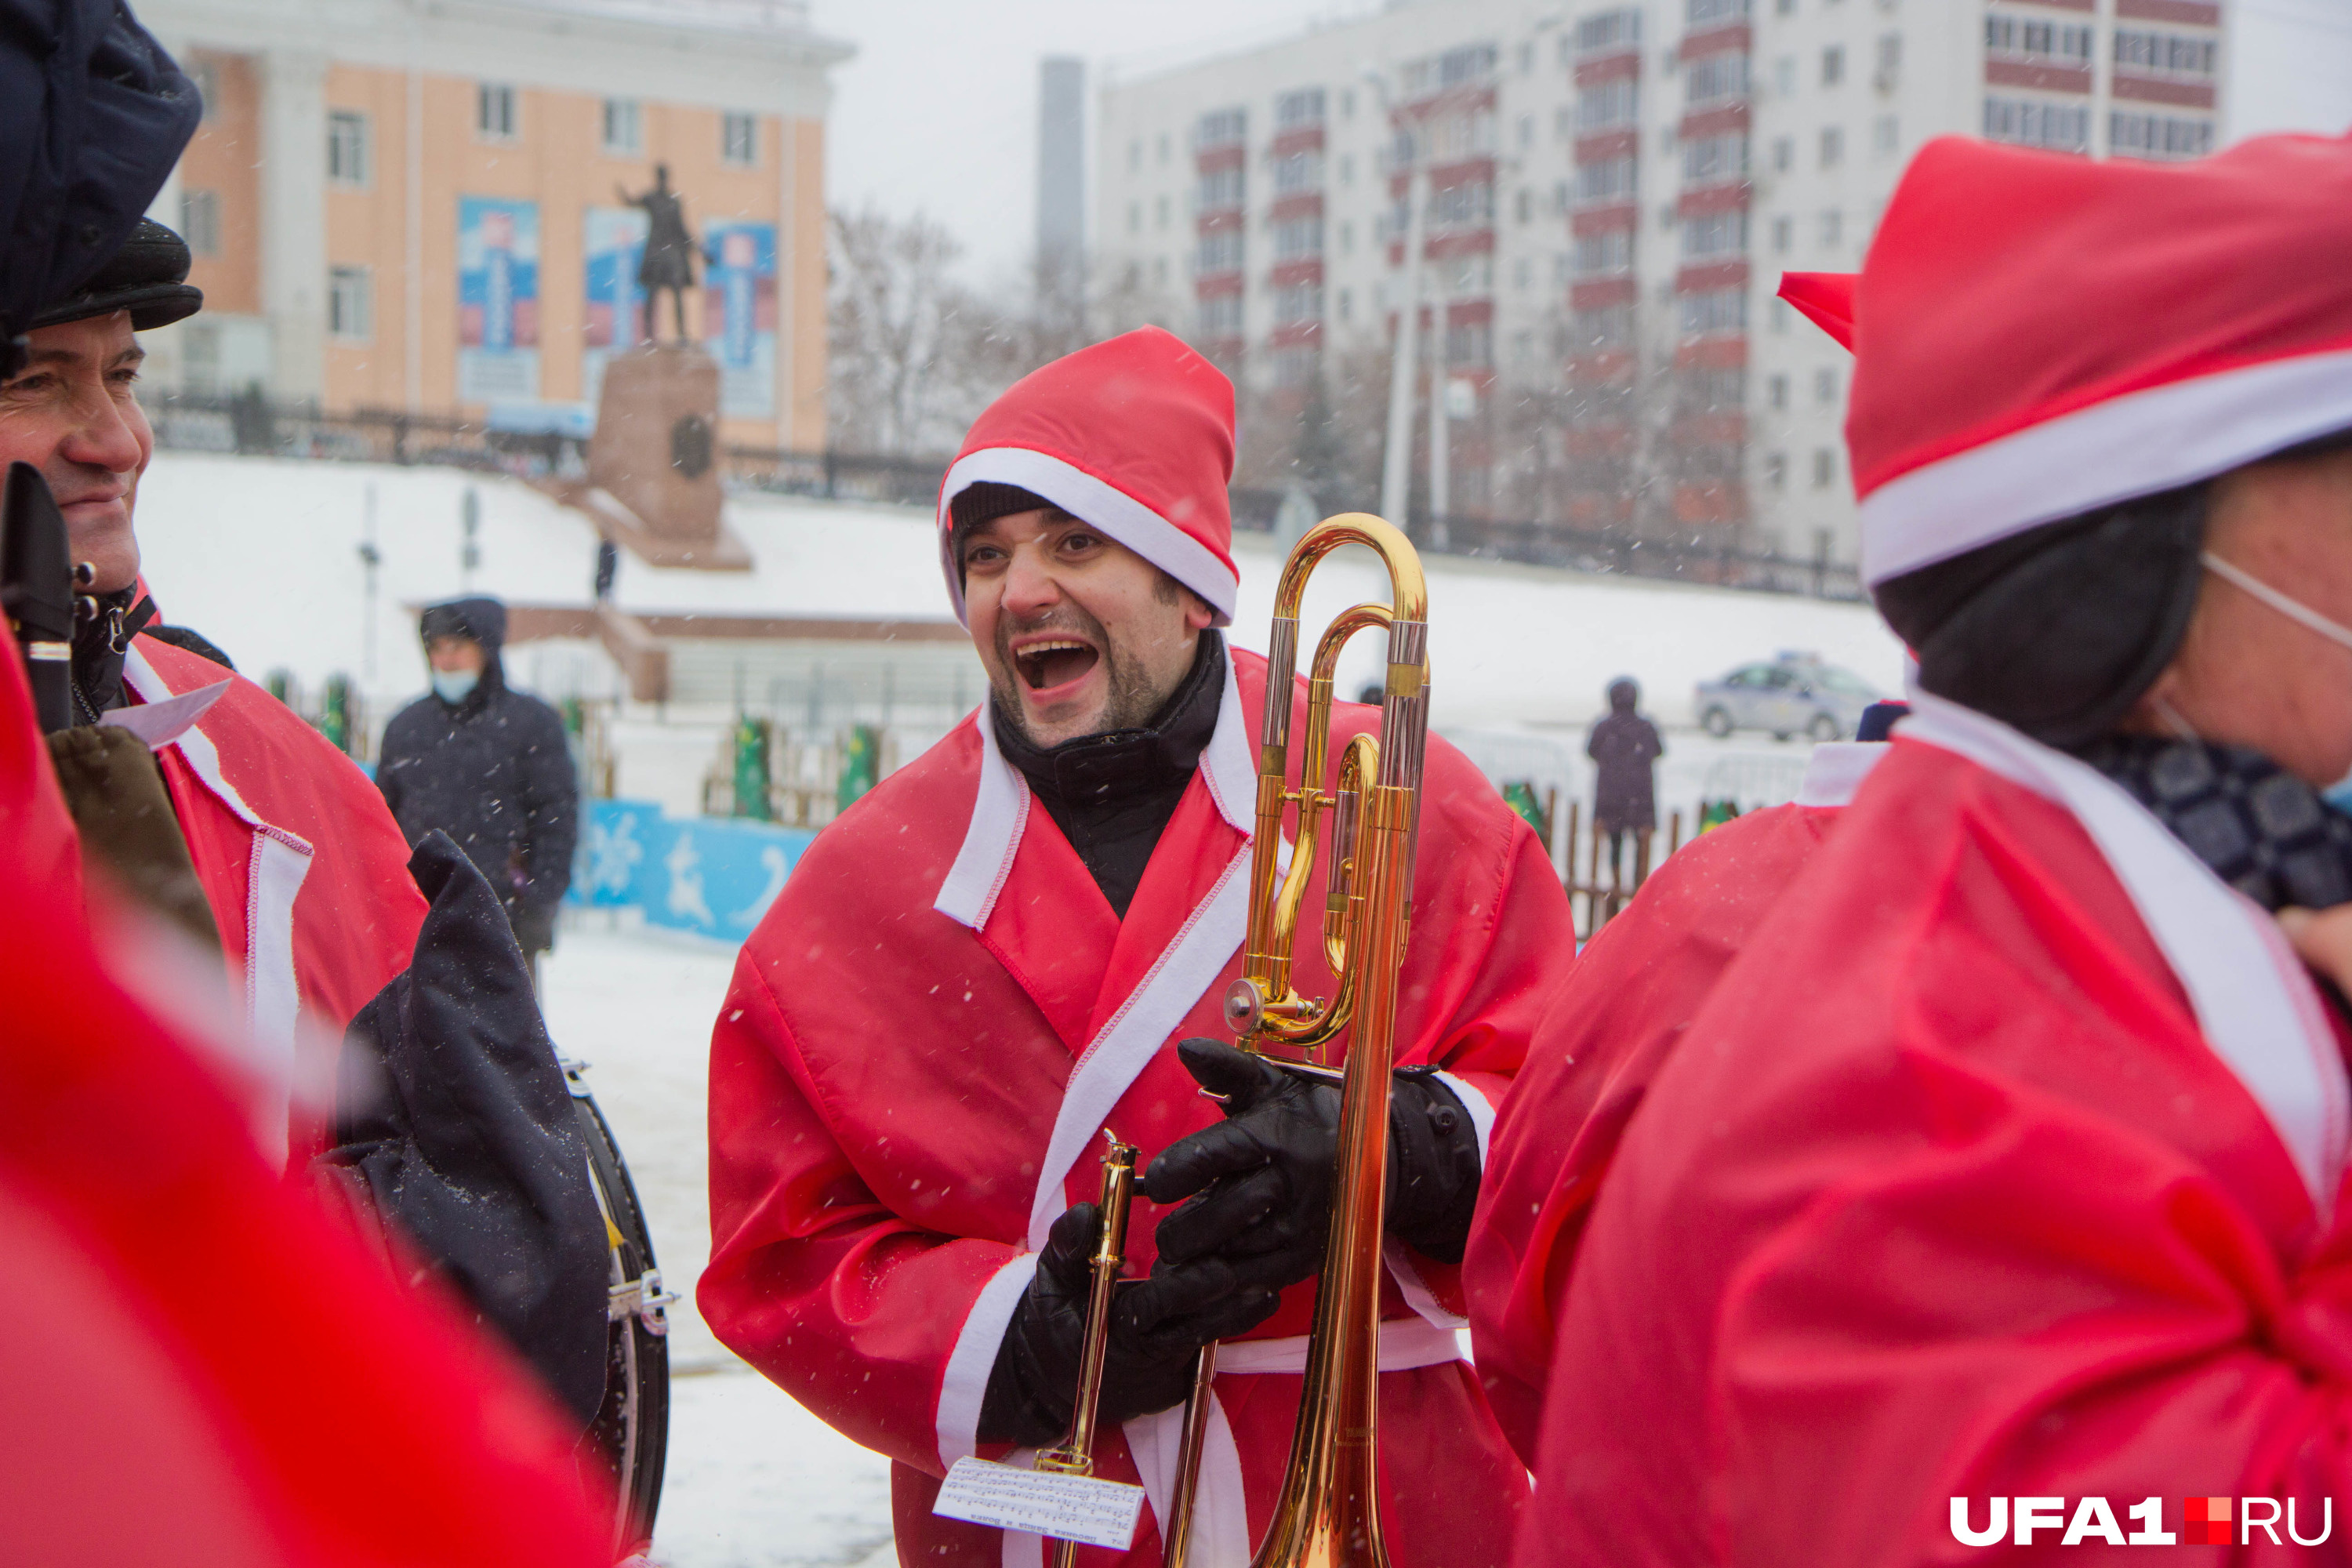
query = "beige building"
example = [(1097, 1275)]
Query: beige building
[(416, 205)]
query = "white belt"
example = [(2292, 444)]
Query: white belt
[(1220, 1515)]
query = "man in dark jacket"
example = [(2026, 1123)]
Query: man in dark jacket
[(1625, 748), (486, 766)]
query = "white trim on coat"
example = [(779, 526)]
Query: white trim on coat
[(2258, 1009), (1229, 764), (1836, 770), (1097, 502), (274, 877), (964, 1384), (1481, 1110), (1000, 811), (2136, 445)]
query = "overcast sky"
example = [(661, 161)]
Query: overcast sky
[(938, 112)]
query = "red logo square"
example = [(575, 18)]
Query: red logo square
[(2208, 1519)]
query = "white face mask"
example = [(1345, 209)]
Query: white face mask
[(2339, 794), (454, 686)]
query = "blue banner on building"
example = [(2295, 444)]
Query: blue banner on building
[(738, 316), (706, 875), (498, 300)]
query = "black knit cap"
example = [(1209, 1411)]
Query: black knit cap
[(976, 504), (147, 276)]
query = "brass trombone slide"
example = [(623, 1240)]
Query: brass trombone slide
[(1328, 1514)]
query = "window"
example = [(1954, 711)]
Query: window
[(1298, 171), (1347, 238), (1346, 305), (1433, 74), (1612, 327), (1297, 302), (1784, 75), (1784, 153), (206, 75), (1220, 316), (2159, 136), (1775, 470), (2023, 38), (1885, 135), (2165, 54), (1346, 103), (200, 221), (1160, 272), (1824, 468), (1219, 252), (1707, 13), (1220, 189), (1304, 107), (1163, 149), (2031, 122), (1462, 206), (1160, 213), (1608, 181), (1295, 365), (1832, 146), (1135, 217), (1347, 168), (1712, 159), (347, 147), (1221, 129), (1608, 104), (1527, 130), (738, 140), (1718, 311), (1135, 155), (1776, 391), (1833, 65), (1832, 225), (1617, 30), (1783, 229), (1470, 343), (1784, 7), (623, 128), (348, 304), (1825, 386), (1524, 204), (1714, 234), (1890, 61), (1296, 238), (1715, 76), (494, 113), (1611, 251), (1523, 272)]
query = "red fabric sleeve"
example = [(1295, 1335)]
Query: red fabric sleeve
[(848, 1307)]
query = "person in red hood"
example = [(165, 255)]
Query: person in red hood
[(1019, 940), (1994, 1199)]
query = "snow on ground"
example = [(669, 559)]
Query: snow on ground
[(263, 555), (754, 1481)]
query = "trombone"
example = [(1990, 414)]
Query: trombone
[(1328, 1515)]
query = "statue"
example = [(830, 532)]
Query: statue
[(670, 254)]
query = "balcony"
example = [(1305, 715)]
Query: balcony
[(2171, 92), (1731, 196), (1296, 204), (2040, 75), (1215, 285), (1600, 293), (1721, 117), (1722, 38), (1709, 276), (1296, 138), (1294, 335), (1297, 270), (1620, 65)]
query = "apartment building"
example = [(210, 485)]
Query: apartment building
[(420, 206), (1613, 192)]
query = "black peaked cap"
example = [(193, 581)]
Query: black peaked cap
[(148, 277)]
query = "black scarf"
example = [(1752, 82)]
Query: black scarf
[(2260, 828), (1111, 795)]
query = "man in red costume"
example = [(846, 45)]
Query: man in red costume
[(2000, 1178), (992, 958), (304, 870)]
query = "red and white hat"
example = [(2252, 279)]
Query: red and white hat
[(2036, 336), (1134, 436)]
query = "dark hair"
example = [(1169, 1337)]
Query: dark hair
[(2058, 631)]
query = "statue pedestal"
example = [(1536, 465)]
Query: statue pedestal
[(652, 463)]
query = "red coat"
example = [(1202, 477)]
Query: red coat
[(306, 873), (214, 1375), (2006, 1160), (1623, 1009), (924, 1037)]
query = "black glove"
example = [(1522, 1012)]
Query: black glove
[(1157, 1329), (1257, 1185)]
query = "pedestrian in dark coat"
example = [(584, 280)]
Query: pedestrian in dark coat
[(1625, 748), (488, 766)]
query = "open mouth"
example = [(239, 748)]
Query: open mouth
[(1053, 662)]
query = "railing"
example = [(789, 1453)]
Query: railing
[(256, 426)]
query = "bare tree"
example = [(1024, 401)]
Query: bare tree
[(906, 338)]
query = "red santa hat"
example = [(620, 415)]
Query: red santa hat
[(2037, 336), (1827, 300), (1134, 436)]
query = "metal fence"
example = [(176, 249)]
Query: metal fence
[(249, 424)]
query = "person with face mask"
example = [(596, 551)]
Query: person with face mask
[(2005, 1167), (487, 765), (1022, 938)]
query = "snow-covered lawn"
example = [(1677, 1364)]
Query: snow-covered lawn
[(755, 1481)]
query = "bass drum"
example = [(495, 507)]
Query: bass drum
[(630, 1437)]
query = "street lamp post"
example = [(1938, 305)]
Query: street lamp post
[(1396, 466)]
